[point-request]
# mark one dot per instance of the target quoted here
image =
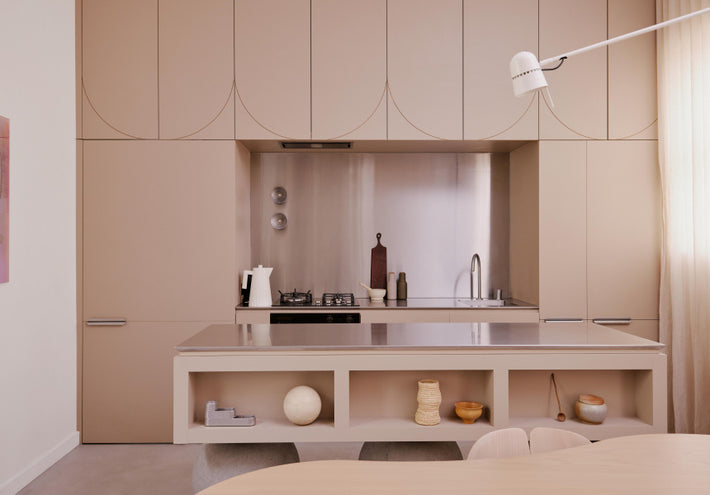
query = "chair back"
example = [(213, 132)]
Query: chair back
[(547, 439), (508, 442)]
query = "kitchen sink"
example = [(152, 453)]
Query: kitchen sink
[(482, 303)]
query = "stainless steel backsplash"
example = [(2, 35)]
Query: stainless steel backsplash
[(434, 211)]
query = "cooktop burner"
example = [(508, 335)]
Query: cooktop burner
[(296, 298), (338, 299)]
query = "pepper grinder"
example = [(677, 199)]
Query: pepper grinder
[(391, 286), (402, 287)]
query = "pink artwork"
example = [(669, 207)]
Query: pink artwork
[(4, 199)]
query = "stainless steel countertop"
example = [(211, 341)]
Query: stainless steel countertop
[(420, 336), (413, 303)]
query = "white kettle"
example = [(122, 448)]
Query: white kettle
[(260, 295)]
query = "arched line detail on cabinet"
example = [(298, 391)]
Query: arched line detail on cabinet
[(525, 112), (547, 104), (389, 90), (379, 103), (241, 100), (229, 96), (91, 104), (639, 132)]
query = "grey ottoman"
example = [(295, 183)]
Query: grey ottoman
[(410, 451), (218, 461)]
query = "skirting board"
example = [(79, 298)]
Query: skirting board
[(39, 465)]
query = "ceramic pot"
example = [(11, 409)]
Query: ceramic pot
[(428, 400), (590, 409)]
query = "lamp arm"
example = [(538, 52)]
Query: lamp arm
[(623, 37)]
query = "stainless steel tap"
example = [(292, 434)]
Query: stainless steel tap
[(476, 260)]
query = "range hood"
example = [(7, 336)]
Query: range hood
[(316, 145)]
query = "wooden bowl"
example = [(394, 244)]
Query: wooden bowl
[(469, 412), (590, 399)]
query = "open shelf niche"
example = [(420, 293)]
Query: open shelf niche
[(383, 403), (373, 396)]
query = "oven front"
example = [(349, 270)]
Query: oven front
[(315, 317)]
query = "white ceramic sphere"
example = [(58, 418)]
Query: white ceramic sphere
[(302, 405)]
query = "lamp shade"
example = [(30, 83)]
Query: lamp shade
[(526, 73)]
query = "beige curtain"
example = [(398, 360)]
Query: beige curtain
[(684, 149)]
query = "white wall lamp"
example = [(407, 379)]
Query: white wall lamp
[(527, 73)]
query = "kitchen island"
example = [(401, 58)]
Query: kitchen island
[(366, 376)]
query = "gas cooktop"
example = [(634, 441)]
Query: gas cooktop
[(329, 299)]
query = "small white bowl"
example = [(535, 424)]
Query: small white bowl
[(376, 295)]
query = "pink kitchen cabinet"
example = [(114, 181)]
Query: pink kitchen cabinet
[(196, 68), (272, 60), (579, 88), (491, 36), (349, 67), (424, 43), (120, 69)]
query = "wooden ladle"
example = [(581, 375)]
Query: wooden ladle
[(560, 416)]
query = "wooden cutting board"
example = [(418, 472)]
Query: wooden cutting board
[(378, 266)]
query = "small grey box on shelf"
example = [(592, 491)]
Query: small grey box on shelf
[(215, 416)]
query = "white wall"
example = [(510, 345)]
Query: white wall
[(38, 305)]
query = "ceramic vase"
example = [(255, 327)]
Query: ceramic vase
[(428, 400)]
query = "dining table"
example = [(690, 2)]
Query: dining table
[(667, 464)]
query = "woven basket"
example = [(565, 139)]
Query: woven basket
[(428, 400)]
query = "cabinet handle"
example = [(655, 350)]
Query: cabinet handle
[(612, 321), (114, 322), (563, 320)]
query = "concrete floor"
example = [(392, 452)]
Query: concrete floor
[(150, 469), (119, 469), (138, 469)]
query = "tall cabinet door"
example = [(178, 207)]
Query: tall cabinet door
[(120, 69), (563, 237), (490, 110), (425, 69), (127, 381), (159, 247), (632, 71), (159, 230), (624, 229), (349, 68), (579, 89), (196, 69), (273, 65)]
